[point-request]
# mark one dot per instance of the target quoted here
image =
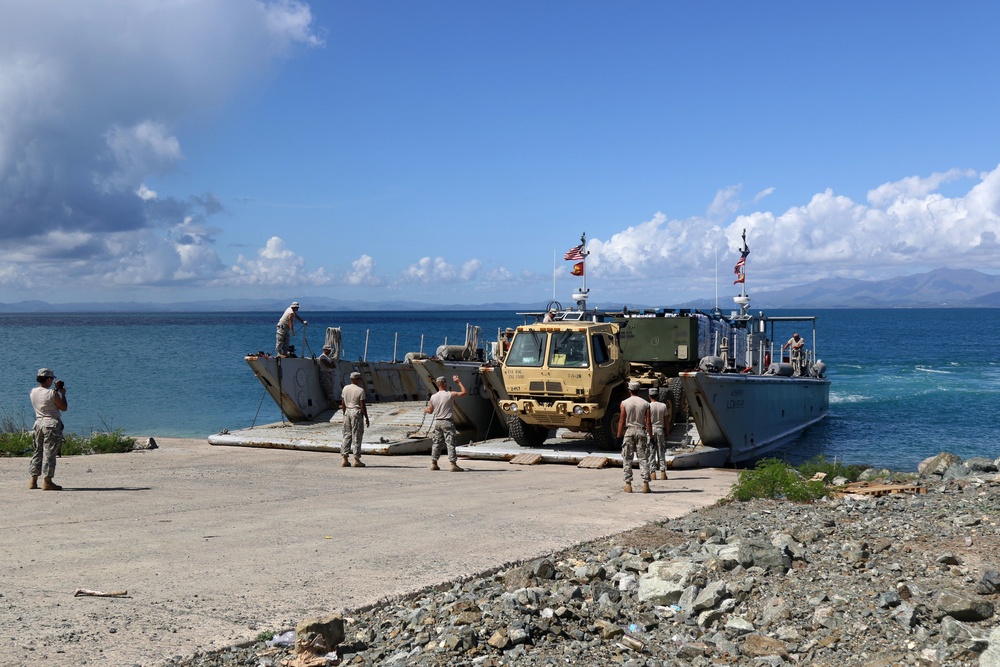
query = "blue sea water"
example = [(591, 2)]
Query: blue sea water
[(906, 384)]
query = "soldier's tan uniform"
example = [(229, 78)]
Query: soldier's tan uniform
[(635, 411)]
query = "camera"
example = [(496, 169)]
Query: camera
[(59, 384)]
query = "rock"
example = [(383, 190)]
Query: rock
[(963, 607), (760, 646), (937, 465), (321, 634), (991, 656), (737, 626), (762, 554), (989, 583), (543, 569), (980, 464), (710, 596)]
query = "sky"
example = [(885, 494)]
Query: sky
[(452, 152)]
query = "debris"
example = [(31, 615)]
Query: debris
[(527, 459), (99, 594)]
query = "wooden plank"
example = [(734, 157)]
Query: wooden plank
[(870, 489), (527, 459), (593, 462)]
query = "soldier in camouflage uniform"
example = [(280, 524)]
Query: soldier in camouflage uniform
[(352, 403), (658, 411), (634, 429), (441, 405), (49, 400)]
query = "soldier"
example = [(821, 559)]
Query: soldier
[(798, 348), (443, 430), (48, 399), (352, 403), (660, 420), (286, 329), (634, 425)]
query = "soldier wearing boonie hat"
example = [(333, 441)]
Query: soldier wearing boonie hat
[(48, 400), (443, 429), (352, 403), (634, 429)]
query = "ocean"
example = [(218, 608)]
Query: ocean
[(906, 384)]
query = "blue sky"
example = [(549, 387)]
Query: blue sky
[(445, 152)]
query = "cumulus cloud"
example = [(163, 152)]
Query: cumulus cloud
[(362, 272), (439, 270), (91, 95), (275, 265), (904, 224)]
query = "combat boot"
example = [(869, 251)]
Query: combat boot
[(346, 463), (49, 485), (33, 484), (455, 468), (358, 463), (628, 487), (434, 465), (645, 487), (663, 475)]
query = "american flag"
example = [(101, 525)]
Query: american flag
[(574, 254)]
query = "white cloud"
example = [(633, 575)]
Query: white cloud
[(275, 265), (362, 272), (906, 225), (430, 270), (91, 94)]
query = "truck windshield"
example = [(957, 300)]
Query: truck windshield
[(569, 350), (528, 349)]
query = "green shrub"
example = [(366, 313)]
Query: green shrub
[(831, 468), (16, 439), (773, 478)]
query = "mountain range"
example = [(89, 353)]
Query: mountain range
[(940, 288)]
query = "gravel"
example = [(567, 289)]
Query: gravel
[(906, 578)]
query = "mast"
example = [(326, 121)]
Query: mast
[(581, 296), (742, 299)]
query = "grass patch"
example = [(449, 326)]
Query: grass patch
[(16, 438), (773, 478), (831, 468)]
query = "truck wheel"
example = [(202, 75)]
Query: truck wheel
[(526, 435), (679, 400), (606, 433)]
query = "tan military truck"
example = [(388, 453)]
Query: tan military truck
[(572, 375)]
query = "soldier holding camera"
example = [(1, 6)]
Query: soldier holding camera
[(49, 400)]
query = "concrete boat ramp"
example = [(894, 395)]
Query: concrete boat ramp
[(399, 428)]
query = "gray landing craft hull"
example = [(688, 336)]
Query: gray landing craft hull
[(293, 384), (753, 415)]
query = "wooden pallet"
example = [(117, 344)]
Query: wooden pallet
[(527, 459), (593, 462), (871, 489)]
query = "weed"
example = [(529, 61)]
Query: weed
[(773, 478), (832, 468)]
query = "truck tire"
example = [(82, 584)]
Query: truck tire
[(606, 434), (526, 435), (679, 400)]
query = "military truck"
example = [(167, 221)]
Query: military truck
[(573, 372)]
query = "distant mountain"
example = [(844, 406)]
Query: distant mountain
[(940, 288)]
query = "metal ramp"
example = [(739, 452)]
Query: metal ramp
[(396, 428)]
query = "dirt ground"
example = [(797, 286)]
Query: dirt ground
[(217, 544)]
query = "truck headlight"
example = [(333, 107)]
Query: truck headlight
[(512, 407), (578, 410)]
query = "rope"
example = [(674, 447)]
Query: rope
[(256, 414), (305, 342)]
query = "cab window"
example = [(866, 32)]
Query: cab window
[(527, 350), (601, 354), (569, 350)]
